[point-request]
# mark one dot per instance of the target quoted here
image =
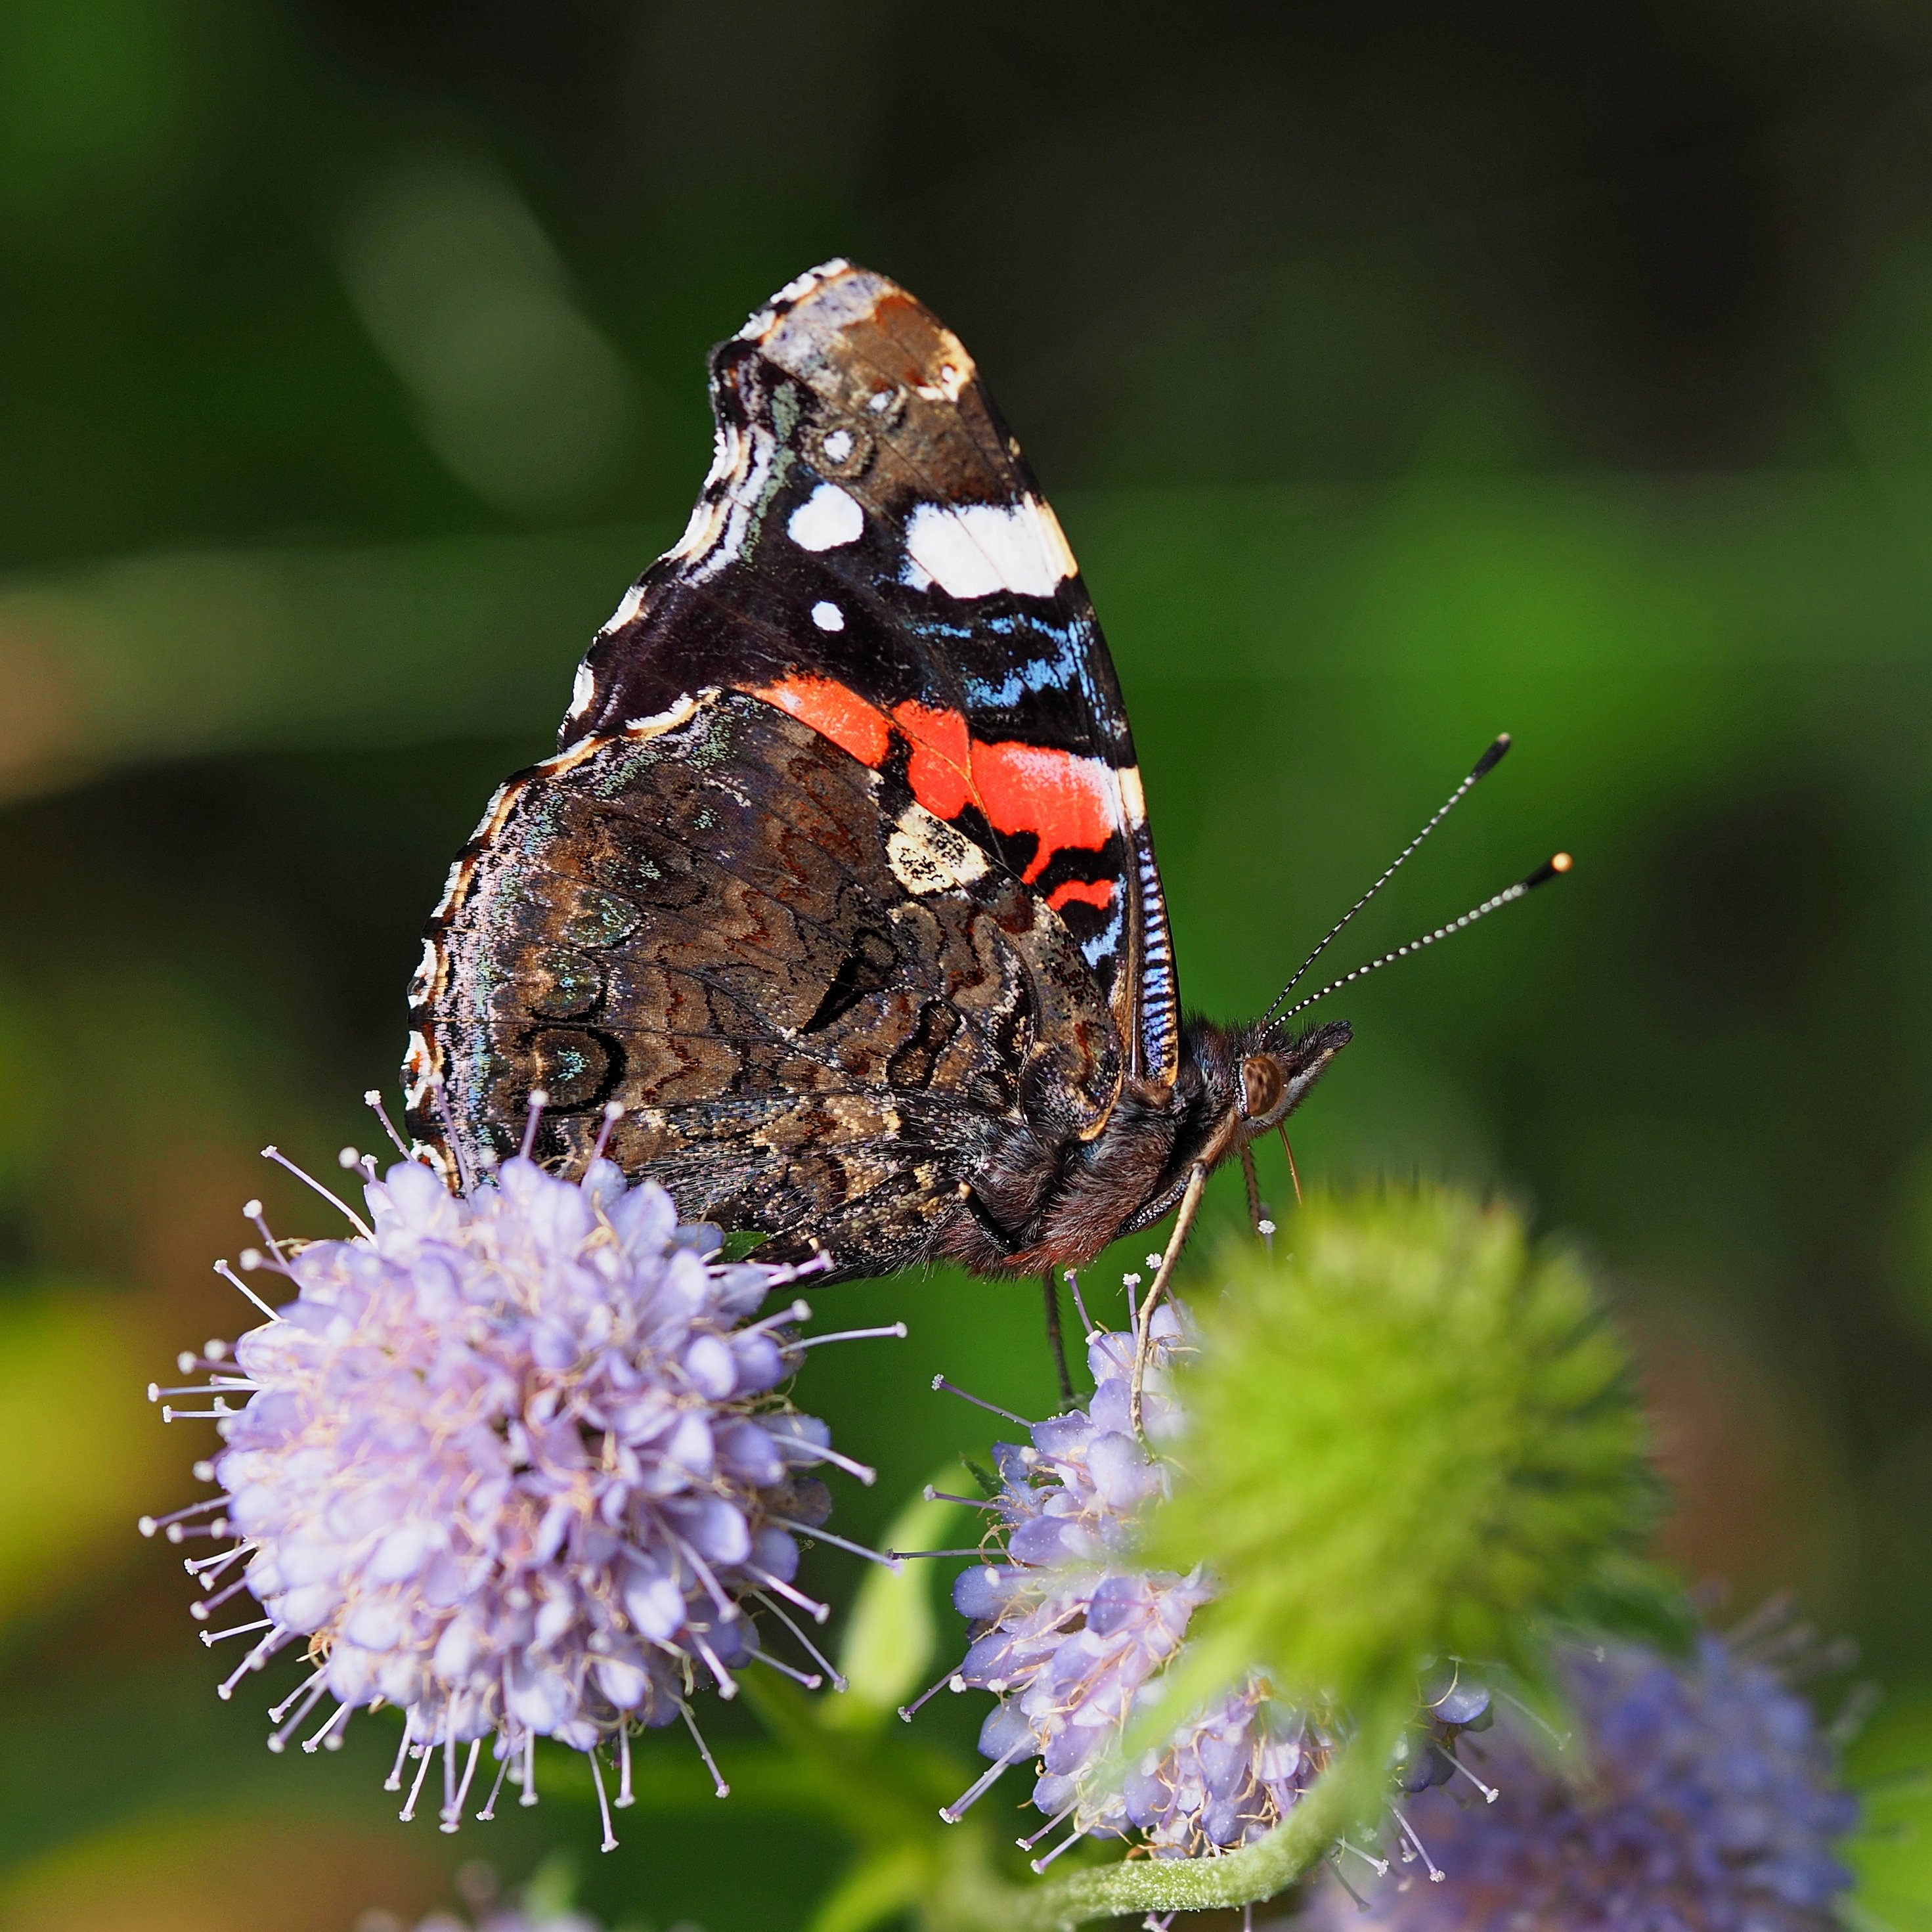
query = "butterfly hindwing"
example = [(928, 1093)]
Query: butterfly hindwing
[(816, 1019)]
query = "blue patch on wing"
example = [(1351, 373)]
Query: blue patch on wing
[(1106, 944), (1062, 669)]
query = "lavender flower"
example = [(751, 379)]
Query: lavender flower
[(1704, 1796), (1072, 1635), (513, 1462)]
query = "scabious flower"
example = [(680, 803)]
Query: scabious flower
[(1073, 1633), (1700, 1797), (514, 1461)]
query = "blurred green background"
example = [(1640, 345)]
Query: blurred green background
[(1401, 374)]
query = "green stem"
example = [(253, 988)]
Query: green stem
[(974, 1899)]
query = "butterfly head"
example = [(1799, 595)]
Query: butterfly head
[(1277, 1066)]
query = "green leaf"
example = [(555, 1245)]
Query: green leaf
[(71, 1368), (892, 1634), (878, 1888), (552, 1889)]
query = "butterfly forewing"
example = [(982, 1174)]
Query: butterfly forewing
[(840, 883), (870, 552)]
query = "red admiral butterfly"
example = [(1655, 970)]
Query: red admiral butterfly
[(841, 886)]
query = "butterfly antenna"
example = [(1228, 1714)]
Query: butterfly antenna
[(1482, 768), (1550, 869)]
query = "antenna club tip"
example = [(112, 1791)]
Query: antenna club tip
[(1562, 862), (1493, 757)]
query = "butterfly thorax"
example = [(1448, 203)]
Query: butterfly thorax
[(1029, 1208)]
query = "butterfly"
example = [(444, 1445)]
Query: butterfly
[(837, 911)]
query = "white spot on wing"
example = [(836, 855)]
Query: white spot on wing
[(793, 291), (928, 855), (456, 882), (953, 377), (979, 548), (727, 454), (828, 616), (800, 286), (827, 519), (702, 531), (839, 445), (1133, 800), (681, 711), (419, 1066), (571, 756), (717, 527), (627, 608), (582, 688)]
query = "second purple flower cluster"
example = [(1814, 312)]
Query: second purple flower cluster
[(1072, 1635)]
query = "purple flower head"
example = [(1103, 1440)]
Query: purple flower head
[(1698, 1798), (515, 1462), (1072, 1635)]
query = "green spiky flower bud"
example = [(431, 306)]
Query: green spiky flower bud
[(1411, 1435)]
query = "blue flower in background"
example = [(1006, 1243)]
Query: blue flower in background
[(1699, 1797)]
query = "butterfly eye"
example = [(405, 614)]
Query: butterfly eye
[(1261, 1085)]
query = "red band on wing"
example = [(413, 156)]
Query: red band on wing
[(1062, 798), (1097, 892), (1066, 799), (941, 770), (834, 711)]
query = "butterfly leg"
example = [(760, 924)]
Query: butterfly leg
[(1055, 1340), (1257, 1210), (1183, 1224), (1294, 1174)]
